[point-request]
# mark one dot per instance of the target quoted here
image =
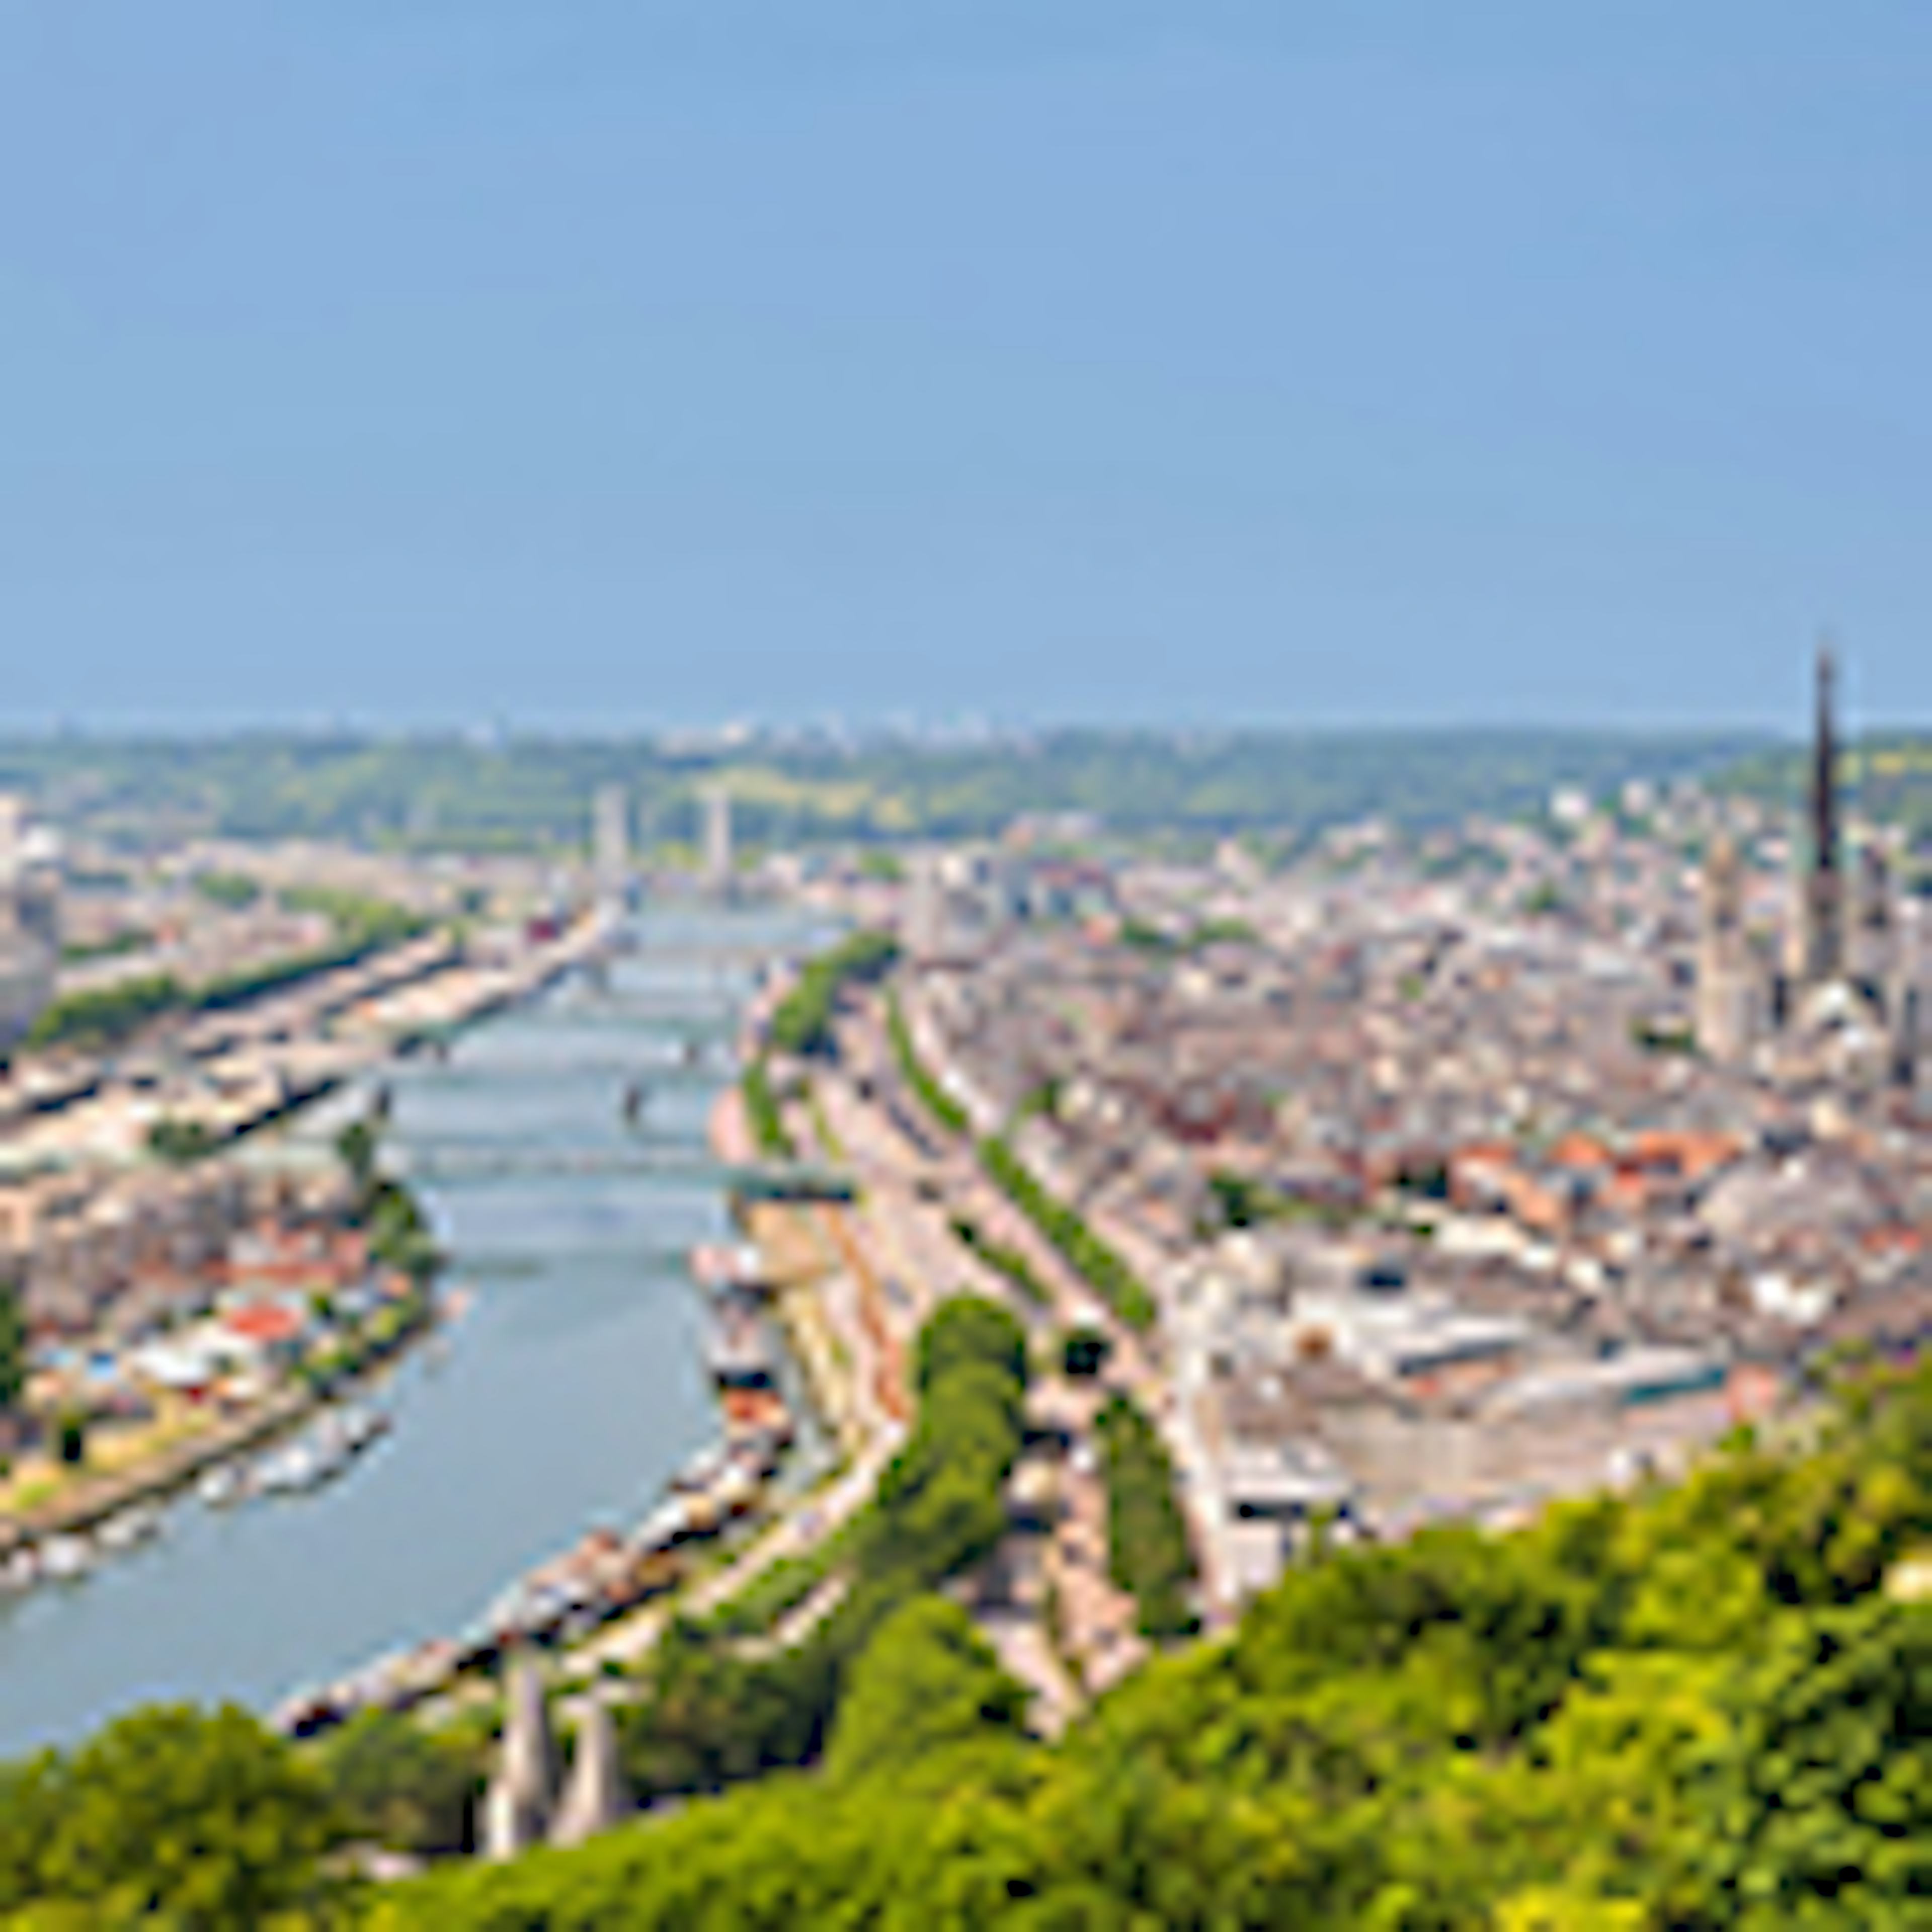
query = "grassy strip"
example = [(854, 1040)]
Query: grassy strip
[(762, 1109), (236, 890), (1148, 1552), (829, 1144), (1097, 1263), (115, 946), (802, 1021), (937, 1101), (786, 1584), (103, 1015)]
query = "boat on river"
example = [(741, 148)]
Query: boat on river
[(222, 1484), (738, 1351), (288, 1471), (704, 1469), (66, 1559), (729, 1268), (135, 1525), (322, 1453)]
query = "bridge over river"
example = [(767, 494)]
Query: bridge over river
[(573, 1387)]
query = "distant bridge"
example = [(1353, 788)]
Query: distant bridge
[(435, 1163), (771, 1180)]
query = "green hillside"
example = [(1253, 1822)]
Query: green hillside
[(528, 791), (1888, 776), (1708, 1705)]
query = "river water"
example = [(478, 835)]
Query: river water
[(569, 1392)]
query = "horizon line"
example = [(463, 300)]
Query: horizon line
[(745, 734)]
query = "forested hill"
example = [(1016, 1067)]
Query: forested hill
[(1704, 1706), (1888, 776), (525, 791)]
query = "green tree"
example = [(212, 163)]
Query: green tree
[(1105, 1271), (1148, 1551), (927, 1680), (713, 1717), (1820, 1810), (1083, 1353), (399, 1237), (13, 1344), (937, 1101), (356, 1147), (968, 1330), (181, 1141), (802, 1021), (762, 1109), (102, 1016), (393, 1781), (198, 1820)]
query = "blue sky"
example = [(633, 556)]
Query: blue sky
[(421, 361)]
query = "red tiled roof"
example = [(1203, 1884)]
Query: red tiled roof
[(264, 1321)]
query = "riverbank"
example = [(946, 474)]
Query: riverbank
[(602, 1580), (190, 1435), (607, 1601), (608, 1596), (788, 1253), (578, 1387), (93, 1499)]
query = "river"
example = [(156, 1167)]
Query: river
[(569, 1391)]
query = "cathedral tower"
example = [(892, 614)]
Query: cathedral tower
[(1823, 909), (1725, 1018)]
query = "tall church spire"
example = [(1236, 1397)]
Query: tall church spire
[(1824, 922)]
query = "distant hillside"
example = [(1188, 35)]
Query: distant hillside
[(1888, 776), (534, 791)]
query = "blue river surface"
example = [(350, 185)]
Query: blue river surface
[(569, 1391)]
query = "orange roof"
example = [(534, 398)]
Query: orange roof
[(1893, 1238), (1575, 1150), (1687, 1152), (1625, 1190), (264, 1321), (1486, 1153)]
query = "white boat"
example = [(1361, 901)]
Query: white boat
[(223, 1483), (663, 1527), (361, 1425), (294, 1467), (21, 1570), (130, 1527), (738, 1351), (737, 1490), (66, 1559), (703, 1469), (323, 1452), (509, 1608)]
